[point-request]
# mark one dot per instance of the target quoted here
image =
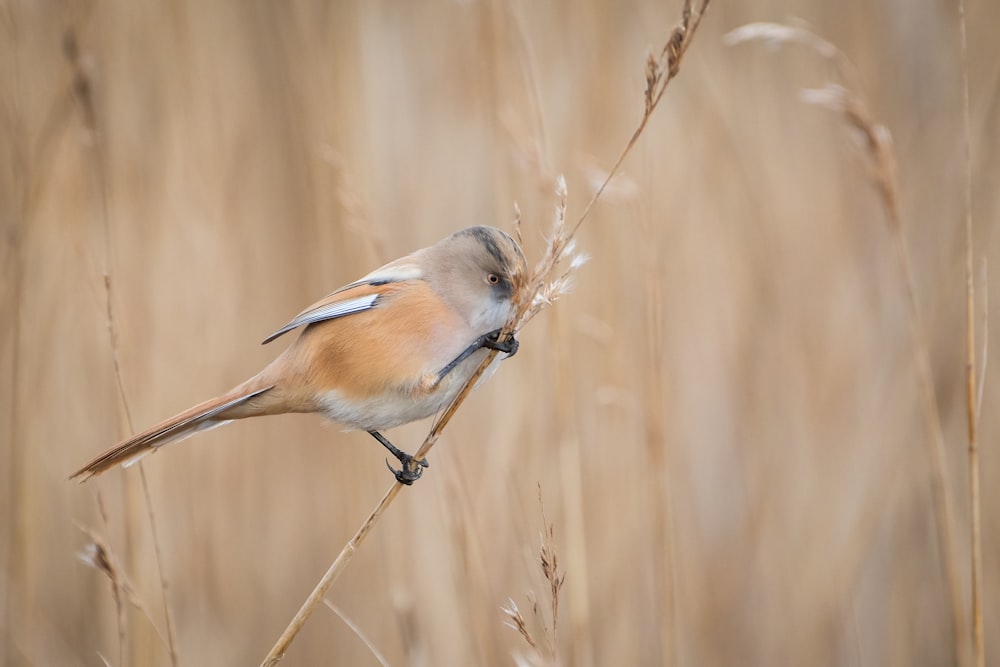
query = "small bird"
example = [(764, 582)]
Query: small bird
[(393, 347)]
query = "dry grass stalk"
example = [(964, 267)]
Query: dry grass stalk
[(876, 143), (83, 91), (98, 555), (984, 281), (161, 575), (972, 412), (660, 71), (839, 97), (544, 286), (357, 631), (518, 623), (550, 569), (549, 561)]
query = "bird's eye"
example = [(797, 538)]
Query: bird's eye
[(493, 279)]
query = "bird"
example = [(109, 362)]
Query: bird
[(394, 347)]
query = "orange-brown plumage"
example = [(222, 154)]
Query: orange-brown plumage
[(368, 352)]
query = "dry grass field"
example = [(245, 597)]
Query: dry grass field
[(726, 418)]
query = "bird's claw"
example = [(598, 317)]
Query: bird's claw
[(492, 341), (408, 473)]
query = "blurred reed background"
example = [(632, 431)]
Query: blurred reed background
[(724, 417)]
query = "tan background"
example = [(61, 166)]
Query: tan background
[(723, 418)]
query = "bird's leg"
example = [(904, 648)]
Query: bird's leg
[(489, 341), (410, 468)]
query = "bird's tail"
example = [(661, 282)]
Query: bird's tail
[(245, 400)]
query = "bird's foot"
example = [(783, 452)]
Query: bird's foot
[(410, 468), (491, 341)]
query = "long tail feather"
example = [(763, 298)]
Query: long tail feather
[(214, 412)]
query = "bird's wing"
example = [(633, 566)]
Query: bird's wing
[(357, 297)]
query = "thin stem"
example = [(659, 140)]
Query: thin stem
[(357, 631), (316, 597), (658, 78), (978, 644), (83, 89), (171, 643)]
